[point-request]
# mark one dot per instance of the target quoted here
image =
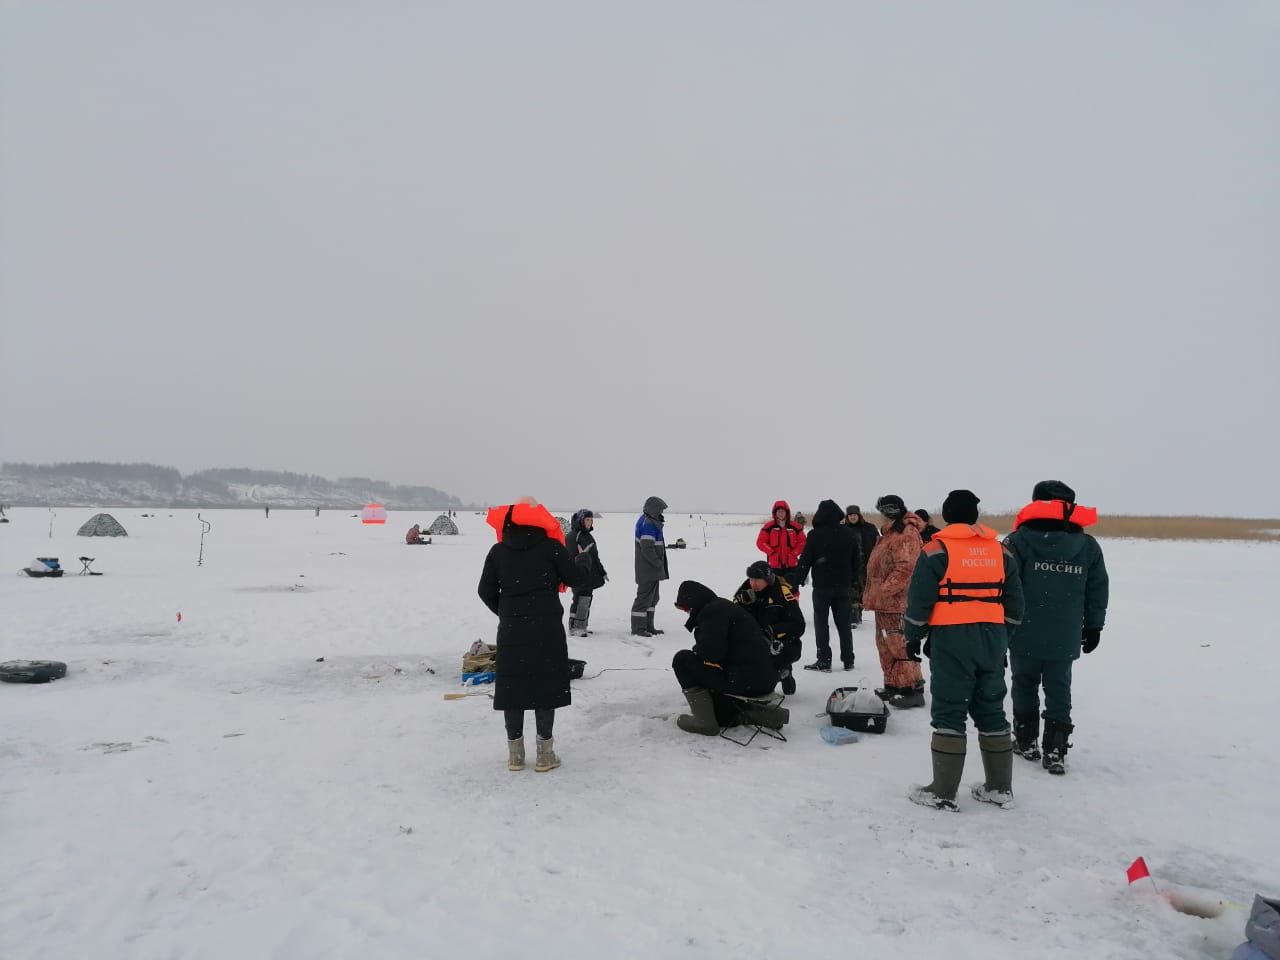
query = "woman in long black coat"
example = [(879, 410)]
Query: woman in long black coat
[(521, 582)]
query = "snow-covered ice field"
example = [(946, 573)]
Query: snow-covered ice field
[(207, 789)]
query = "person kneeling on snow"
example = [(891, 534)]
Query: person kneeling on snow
[(730, 655), (963, 591), (769, 598), (414, 536)]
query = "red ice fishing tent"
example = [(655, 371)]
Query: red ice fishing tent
[(374, 513)]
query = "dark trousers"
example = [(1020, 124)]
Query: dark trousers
[(573, 606), (646, 603), (544, 720), (1029, 674), (839, 604)]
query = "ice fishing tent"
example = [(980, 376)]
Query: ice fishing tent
[(374, 513), (102, 525), (443, 526)]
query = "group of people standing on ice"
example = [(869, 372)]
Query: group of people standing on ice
[(956, 594)]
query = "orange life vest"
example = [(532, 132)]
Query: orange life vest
[(1057, 510), (525, 515), (972, 588)]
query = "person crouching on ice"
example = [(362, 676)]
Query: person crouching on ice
[(963, 591), (768, 597), (523, 575), (730, 655)]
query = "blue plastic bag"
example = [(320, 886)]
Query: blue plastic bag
[(839, 736)]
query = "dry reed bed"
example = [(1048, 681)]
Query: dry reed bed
[(1153, 528)]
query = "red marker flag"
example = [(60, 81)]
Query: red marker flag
[(1138, 870)]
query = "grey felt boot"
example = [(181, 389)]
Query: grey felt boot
[(515, 754), (547, 759)]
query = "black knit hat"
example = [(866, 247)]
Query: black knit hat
[(891, 506), (961, 506), (924, 515), (1053, 490), (760, 571), (853, 509)]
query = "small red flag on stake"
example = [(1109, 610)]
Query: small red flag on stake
[(1138, 870)]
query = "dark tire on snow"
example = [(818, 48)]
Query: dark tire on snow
[(32, 671)]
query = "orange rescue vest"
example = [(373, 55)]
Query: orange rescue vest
[(972, 588), (1057, 510)]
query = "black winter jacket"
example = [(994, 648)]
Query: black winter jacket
[(833, 552), (867, 537), (581, 544), (727, 636)]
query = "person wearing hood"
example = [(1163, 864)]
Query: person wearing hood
[(651, 567), (867, 537), (524, 573), (928, 531), (781, 540), (1065, 579), (730, 655), (888, 574), (964, 595), (581, 544), (833, 554), (775, 606)]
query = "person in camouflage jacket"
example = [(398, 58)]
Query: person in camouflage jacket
[(889, 572)]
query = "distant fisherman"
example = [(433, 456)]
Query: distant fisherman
[(651, 566), (1066, 585)]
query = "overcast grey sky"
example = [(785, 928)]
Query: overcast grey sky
[(717, 251)]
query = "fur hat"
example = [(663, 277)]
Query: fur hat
[(891, 506), (760, 571), (1053, 490)]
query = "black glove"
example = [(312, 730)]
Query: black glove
[(913, 651), (1091, 636)]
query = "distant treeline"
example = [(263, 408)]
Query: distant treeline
[(162, 478), (139, 479)]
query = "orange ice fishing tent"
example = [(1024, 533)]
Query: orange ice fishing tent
[(374, 513)]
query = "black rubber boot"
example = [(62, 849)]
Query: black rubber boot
[(1026, 731), (788, 683), (1056, 746), (907, 697)]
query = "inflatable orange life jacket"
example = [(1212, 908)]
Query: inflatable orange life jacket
[(972, 588), (525, 515), (1057, 510)]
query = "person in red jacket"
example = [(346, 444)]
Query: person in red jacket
[(781, 540)]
